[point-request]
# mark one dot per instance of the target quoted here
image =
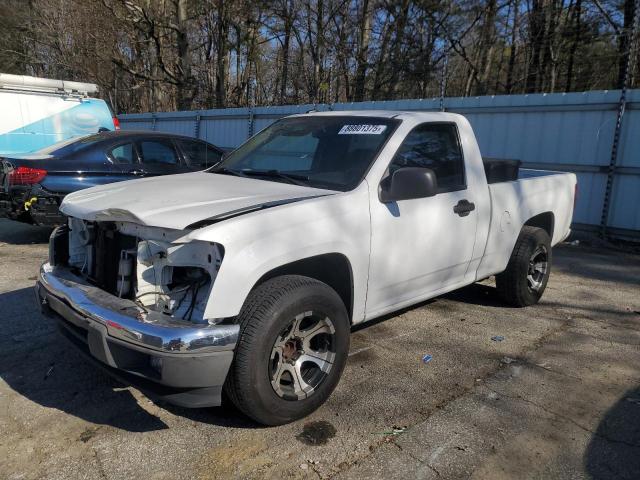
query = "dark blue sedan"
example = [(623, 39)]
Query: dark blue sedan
[(32, 186)]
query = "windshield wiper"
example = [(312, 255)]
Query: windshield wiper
[(294, 178), (227, 171)]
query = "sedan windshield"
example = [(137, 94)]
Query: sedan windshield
[(332, 152)]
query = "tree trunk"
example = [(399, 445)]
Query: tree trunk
[(318, 73), (288, 22), (536, 42), (380, 72), (185, 87), (472, 77), (221, 58), (513, 50), (238, 49), (577, 13), (486, 47), (401, 22), (549, 61), (363, 51)]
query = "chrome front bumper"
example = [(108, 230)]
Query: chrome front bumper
[(191, 359)]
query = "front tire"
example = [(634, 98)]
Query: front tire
[(525, 279), (292, 348)]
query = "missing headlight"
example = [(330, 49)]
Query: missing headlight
[(176, 279), (185, 293)]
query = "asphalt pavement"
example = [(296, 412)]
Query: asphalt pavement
[(551, 391)]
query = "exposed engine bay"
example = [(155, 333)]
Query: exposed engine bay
[(141, 264)]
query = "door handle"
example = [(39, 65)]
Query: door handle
[(464, 208), (136, 171)]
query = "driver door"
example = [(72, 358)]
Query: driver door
[(420, 247)]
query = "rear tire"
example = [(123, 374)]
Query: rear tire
[(292, 348), (525, 279)]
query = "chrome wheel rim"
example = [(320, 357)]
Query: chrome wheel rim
[(538, 267), (302, 356)]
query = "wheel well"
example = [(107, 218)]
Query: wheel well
[(544, 221), (332, 268)]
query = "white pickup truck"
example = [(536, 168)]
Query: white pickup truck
[(248, 276)]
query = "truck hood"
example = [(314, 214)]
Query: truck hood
[(178, 201)]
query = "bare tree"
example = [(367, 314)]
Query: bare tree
[(185, 54)]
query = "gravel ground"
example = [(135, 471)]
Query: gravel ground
[(558, 397)]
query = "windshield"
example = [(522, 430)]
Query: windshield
[(70, 145), (332, 152)]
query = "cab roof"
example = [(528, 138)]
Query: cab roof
[(400, 114)]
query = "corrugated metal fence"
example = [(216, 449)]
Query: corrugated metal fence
[(568, 132)]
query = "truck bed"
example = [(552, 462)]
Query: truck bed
[(515, 202)]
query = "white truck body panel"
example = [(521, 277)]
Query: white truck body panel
[(513, 203), (419, 248), (399, 253), (258, 242)]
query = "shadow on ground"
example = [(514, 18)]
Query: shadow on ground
[(478, 294), (602, 264), (475, 294), (18, 233), (614, 449), (41, 365)]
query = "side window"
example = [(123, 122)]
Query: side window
[(434, 146), (122, 153), (199, 154), (155, 151)]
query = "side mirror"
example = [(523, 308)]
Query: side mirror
[(407, 183)]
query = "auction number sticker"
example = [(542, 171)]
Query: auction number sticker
[(362, 129)]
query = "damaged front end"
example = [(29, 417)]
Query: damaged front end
[(136, 300), (142, 264)]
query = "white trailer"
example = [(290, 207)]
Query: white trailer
[(38, 112)]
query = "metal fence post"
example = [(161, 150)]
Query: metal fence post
[(250, 126), (153, 121), (196, 127), (622, 103), (443, 81)]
